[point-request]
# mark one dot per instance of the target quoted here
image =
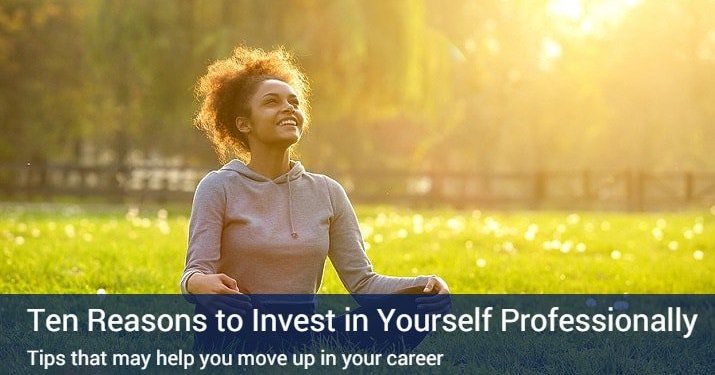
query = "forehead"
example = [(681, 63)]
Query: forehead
[(274, 86)]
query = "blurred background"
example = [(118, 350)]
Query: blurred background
[(595, 104)]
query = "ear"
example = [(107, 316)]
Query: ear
[(243, 125)]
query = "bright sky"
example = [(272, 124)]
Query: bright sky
[(590, 17), (582, 18)]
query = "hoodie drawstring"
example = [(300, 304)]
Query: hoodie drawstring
[(296, 170), (293, 233)]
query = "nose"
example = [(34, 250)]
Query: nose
[(289, 107)]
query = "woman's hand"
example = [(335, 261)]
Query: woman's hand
[(215, 283), (439, 301), (218, 291)]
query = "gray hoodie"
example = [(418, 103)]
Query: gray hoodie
[(273, 236)]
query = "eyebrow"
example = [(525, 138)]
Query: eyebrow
[(275, 94)]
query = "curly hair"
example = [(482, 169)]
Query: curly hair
[(227, 88)]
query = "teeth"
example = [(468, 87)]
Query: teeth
[(287, 122)]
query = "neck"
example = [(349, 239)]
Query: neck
[(270, 163)]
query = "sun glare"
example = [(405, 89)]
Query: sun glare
[(591, 17), (572, 9)]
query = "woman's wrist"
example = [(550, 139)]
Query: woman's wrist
[(188, 281)]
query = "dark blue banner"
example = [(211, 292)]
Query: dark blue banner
[(333, 333)]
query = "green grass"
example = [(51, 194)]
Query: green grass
[(65, 248), (79, 249)]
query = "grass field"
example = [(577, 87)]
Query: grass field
[(65, 248)]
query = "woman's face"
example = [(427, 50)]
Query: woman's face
[(276, 117)]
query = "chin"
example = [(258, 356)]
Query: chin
[(289, 141)]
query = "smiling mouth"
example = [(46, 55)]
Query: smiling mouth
[(288, 122)]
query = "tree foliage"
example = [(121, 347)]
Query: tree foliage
[(465, 85)]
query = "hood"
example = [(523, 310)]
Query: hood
[(239, 167)]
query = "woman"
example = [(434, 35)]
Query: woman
[(266, 226)]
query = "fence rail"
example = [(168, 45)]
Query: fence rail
[(587, 189)]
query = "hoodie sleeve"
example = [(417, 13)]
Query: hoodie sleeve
[(205, 227), (347, 252)]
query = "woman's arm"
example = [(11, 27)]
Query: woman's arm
[(204, 250), (347, 253)]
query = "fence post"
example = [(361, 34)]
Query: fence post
[(635, 187), (436, 193), (539, 189), (630, 180), (586, 185), (689, 187)]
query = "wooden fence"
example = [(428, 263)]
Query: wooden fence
[(589, 189)]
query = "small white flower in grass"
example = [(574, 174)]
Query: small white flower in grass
[(562, 277), (529, 236), (580, 247), (591, 302), (698, 228), (366, 229), (481, 262), (573, 219), (661, 223), (698, 255), (162, 214), (418, 222), (673, 245), (688, 234), (35, 232), (381, 219), (657, 234), (402, 233), (620, 305), (415, 271), (132, 213), (508, 246), (69, 231), (490, 225), (377, 238), (101, 291), (164, 227), (615, 255), (468, 244), (19, 240), (456, 224), (566, 247)]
